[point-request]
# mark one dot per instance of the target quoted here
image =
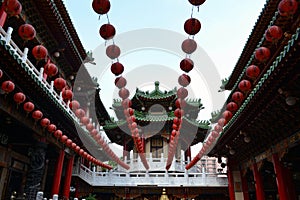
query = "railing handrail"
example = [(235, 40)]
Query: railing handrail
[(39, 77)]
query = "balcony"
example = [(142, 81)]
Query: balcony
[(150, 178)]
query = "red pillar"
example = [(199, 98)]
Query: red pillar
[(244, 186), (68, 177), (77, 190), (3, 15), (230, 183), (57, 174), (260, 195), (291, 190), (279, 171)]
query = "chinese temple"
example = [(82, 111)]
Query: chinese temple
[(56, 139)]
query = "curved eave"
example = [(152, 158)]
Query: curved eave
[(254, 38), (265, 107), (36, 93)]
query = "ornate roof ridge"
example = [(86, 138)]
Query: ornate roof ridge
[(156, 93)]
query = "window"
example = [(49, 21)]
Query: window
[(156, 147)]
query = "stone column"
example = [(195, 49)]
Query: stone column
[(36, 170)]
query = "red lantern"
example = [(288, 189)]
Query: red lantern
[(182, 93), (232, 107), (227, 115), (117, 68), (58, 133), (74, 105), (80, 113), (8, 86), (26, 32), (175, 127), (67, 94), (287, 8), (126, 103), (81, 152), (176, 120), (124, 93), (188, 46), (244, 85), (39, 52), (59, 83), (50, 69), (107, 31), (237, 97), (12, 7), (64, 139), (85, 120), (120, 82), (215, 134), (85, 154), (178, 113), (252, 71), (113, 51), (273, 33), (37, 114), (45, 122), (186, 65), (73, 145), (218, 128), (1, 73), (89, 127), (184, 80), (77, 149), (94, 132), (51, 128), (28, 106), (192, 26), (19, 97), (130, 111), (132, 118), (101, 6), (69, 142), (196, 2), (180, 103), (262, 54)]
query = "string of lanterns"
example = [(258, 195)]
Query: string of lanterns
[(286, 8), (107, 32), (192, 26), (39, 52), (20, 98)]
